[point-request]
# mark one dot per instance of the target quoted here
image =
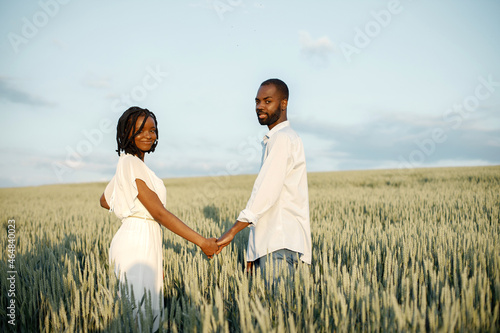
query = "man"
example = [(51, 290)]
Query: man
[(278, 209)]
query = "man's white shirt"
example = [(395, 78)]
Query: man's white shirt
[(278, 208)]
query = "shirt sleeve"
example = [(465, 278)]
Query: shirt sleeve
[(123, 188), (269, 183), (109, 193)]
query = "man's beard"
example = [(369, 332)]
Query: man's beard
[(271, 119)]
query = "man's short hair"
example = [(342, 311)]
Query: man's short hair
[(280, 86)]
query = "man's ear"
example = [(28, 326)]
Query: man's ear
[(284, 103)]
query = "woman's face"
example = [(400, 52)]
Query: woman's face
[(147, 137)]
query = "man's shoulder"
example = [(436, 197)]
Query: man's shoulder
[(287, 132), (285, 137)]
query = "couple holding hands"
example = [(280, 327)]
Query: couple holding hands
[(277, 211)]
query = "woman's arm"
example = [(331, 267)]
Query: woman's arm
[(104, 204), (154, 206)]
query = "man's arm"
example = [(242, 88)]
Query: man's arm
[(270, 180), (228, 236), (266, 190)]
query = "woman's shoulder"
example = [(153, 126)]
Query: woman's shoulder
[(130, 161), (128, 158)]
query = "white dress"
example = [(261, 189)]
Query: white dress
[(136, 248)]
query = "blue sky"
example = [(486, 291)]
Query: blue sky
[(373, 84)]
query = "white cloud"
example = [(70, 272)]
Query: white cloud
[(460, 163), (95, 81), (315, 50), (390, 140)]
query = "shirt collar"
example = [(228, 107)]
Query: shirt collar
[(275, 129)]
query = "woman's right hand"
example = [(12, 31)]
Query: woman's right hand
[(209, 247)]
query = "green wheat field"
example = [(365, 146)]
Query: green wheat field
[(413, 250)]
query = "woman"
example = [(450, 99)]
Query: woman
[(138, 197)]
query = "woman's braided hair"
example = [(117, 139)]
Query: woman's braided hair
[(126, 131)]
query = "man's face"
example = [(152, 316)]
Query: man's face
[(268, 105)]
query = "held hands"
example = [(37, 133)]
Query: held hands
[(224, 240), (210, 247), (213, 245)]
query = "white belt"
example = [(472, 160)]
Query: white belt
[(141, 217)]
